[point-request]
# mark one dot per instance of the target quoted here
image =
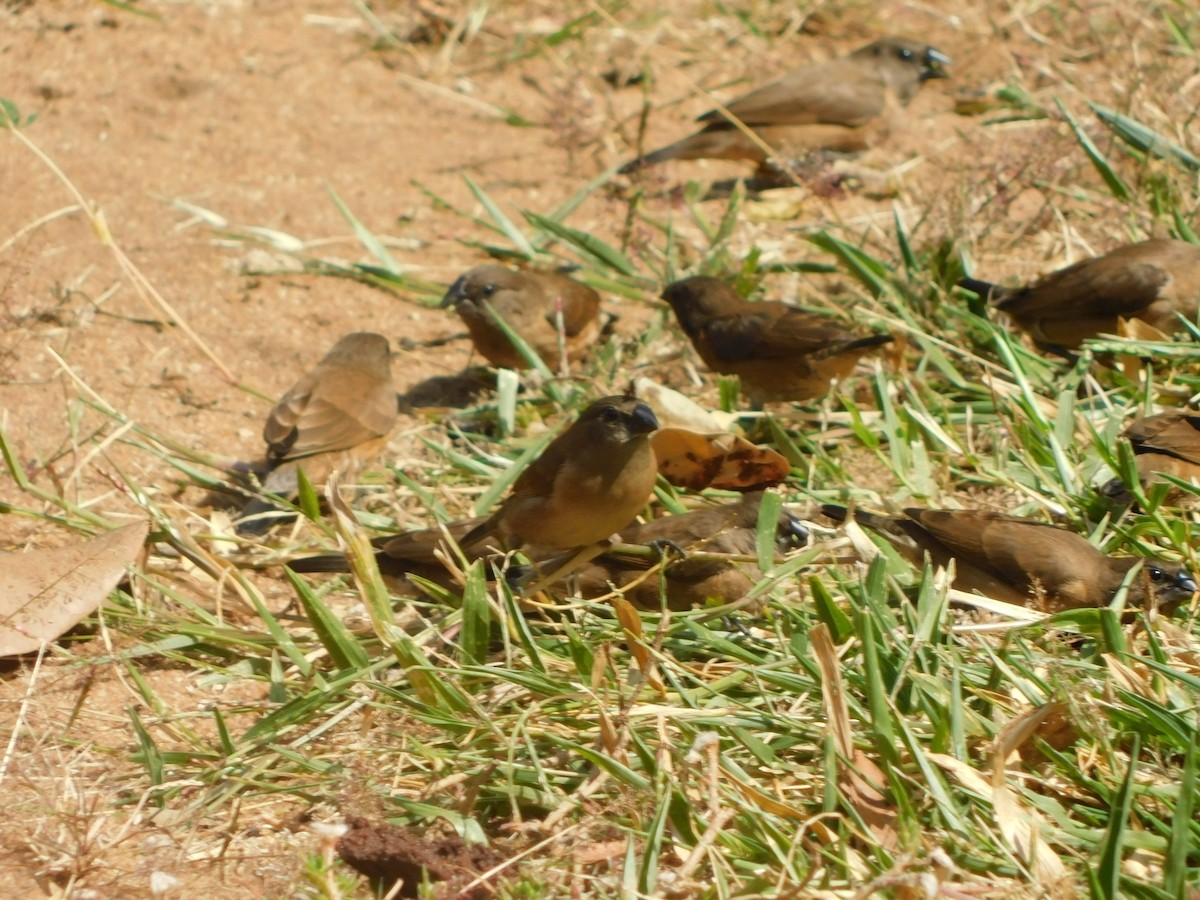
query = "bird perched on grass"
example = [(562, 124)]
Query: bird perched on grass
[(728, 529), (1154, 281), (589, 483), (334, 417), (555, 315), (1167, 444), (844, 105), (779, 352), (1022, 561)]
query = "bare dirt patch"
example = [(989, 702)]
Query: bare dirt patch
[(257, 111)]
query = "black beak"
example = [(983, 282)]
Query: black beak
[(791, 533), (935, 63), (455, 293), (1185, 583), (642, 420)]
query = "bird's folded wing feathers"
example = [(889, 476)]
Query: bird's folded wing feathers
[(837, 93), (1089, 290)]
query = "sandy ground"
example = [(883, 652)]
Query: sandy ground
[(256, 111)]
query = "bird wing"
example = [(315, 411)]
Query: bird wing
[(316, 417), (580, 304), (1090, 288), (1177, 436), (419, 547), (778, 332), (1018, 550), (280, 431), (707, 529), (840, 92)]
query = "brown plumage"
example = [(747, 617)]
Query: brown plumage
[(530, 303), (1150, 281), (728, 529), (778, 351), (844, 105), (589, 483), (1023, 561), (1165, 444), (411, 553), (337, 415)]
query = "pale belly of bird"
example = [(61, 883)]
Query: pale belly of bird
[(597, 510)]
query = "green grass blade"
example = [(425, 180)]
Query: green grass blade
[(1108, 873), (343, 648), (503, 222), (1116, 185), (366, 237), (476, 617), (768, 519), (591, 248), (1182, 842), (1142, 138)]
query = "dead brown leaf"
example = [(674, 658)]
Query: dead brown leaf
[(44, 593), (861, 781), (726, 461)]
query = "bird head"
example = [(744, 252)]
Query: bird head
[(479, 284), (790, 533), (616, 420), (1172, 585), (697, 299), (904, 64)]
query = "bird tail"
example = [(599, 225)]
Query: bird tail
[(650, 159), (866, 343), (839, 514), (717, 141), (871, 520), (985, 289), (260, 516), (320, 564)]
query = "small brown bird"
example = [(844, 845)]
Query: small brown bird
[(411, 553), (727, 529), (1022, 561), (532, 304), (778, 351), (1154, 281), (1165, 444), (843, 105), (336, 415), (589, 483)]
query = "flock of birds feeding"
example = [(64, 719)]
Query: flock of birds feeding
[(574, 507)]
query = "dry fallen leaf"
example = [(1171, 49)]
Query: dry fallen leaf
[(674, 410), (1021, 824), (695, 461), (44, 593), (862, 782), (631, 624)]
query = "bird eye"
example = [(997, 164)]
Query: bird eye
[(487, 290), (904, 53), (610, 414), (1156, 574)]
